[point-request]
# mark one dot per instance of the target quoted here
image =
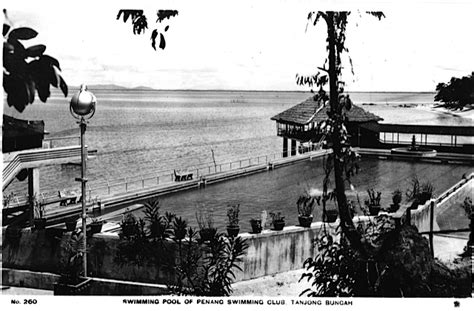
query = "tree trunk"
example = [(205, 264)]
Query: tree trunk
[(347, 225)]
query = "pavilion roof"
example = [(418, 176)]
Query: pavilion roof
[(312, 110)]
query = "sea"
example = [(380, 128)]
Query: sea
[(143, 132)]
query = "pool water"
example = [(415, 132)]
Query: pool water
[(278, 190)]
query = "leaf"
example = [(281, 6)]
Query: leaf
[(167, 27), (17, 92), (18, 48), (6, 28), (35, 50), (51, 60), (30, 87), (63, 86), (23, 33), (43, 90), (154, 34), (378, 14), (162, 14), (162, 42)]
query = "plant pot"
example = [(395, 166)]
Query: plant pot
[(65, 289), (374, 210), (233, 231), (39, 223), (256, 226), (96, 227), (128, 229), (71, 225), (305, 221), (330, 215), (424, 196), (278, 225), (393, 208), (207, 234)]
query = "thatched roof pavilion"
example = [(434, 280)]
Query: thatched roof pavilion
[(300, 123), (312, 110)]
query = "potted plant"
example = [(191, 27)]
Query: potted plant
[(179, 228), (96, 225), (205, 220), (233, 227), (153, 217), (71, 265), (278, 221), (39, 220), (259, 224), (373, 202), (426, 193), (396, 199), (71, 223), (305, 205), (256, 225), (129, 225)]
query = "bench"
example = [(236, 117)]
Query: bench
[(182, 176), (65, 200)]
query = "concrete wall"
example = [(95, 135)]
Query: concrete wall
[(421, 216), (453, 199), (40, 250), (269, 252), (272, 252)]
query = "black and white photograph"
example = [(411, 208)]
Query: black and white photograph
[(272, 155)]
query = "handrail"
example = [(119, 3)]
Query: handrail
[(167, 176), (30, 158)]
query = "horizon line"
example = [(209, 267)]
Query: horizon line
[(147, 88)]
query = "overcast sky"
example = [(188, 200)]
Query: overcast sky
[(252, 44)]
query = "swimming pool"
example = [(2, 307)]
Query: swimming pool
[(278, 190)]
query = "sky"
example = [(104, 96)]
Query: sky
[(252, 45)]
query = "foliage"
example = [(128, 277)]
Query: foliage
[(397, 196), (140, 23), (467, 206), (208, 272), (344, 160), (332, 271), (457, 94), (129, 224), (27, 70), (374, 198), (305, 205), (201, 268), (205, 218), (277, 217), (419, 192), (340, 270), (71, 261), (233, 215)]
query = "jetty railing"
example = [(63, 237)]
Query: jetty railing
[(143, 181), (53, 142), (95, 190)]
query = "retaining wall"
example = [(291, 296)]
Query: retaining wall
[(450, 198), (268, 253)]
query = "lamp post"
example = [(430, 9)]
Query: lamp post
[(82, 107)]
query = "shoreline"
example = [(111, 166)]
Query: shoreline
[(467, 114)]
